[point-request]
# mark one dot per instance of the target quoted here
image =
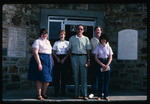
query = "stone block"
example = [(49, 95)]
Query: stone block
[(139, 65), (136, 77), (13, 59), (21, 62), (123, 75), (15, 78), (12, 86), (13, 69), (26, 85), (5, 69), (5, 8), (82, 6), (127, 82)]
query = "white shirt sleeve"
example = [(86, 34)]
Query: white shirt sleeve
[(35, 44), (67, 45), (55, 46), (110, 51)]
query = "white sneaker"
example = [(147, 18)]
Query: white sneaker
[(91, 95)]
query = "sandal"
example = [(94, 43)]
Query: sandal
[(45, 96), (98, 98), (40, 97)]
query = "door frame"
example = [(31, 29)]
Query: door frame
[(45, 13), (70, 22)]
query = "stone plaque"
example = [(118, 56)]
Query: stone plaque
[(16, 42), (127, 44)]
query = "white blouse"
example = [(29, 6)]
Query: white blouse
[(61, 47), (103, 52), (44, 46)]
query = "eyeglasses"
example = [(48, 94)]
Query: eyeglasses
[(79, 29), (44, 34)]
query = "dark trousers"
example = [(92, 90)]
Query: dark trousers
[(103, 80), (93, 73), (60, 76)]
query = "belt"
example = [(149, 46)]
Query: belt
[(61, 55), (103, 58), (78, 54)]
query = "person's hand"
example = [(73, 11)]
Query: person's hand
[(88, 64), (104, 67), (58, 60), (40, 67), (62, 61)]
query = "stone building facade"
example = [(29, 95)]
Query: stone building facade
[(126, 75)]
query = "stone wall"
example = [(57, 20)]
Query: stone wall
[(125, 75), (15, 69), (129, 75)]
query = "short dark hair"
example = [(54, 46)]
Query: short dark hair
[(98, 27), (103, 36), (42, 31), (79, 25)]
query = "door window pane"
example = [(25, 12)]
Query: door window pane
[(54, 28)]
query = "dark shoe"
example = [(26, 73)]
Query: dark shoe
[(107, 99), (77, 97), (63, 94), (45, 96), (56, 94), (85, 98), (40, 97)]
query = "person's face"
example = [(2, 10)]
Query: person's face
[(80, 29), (103, 41), (62, 36), (44, 36), (98, 32)]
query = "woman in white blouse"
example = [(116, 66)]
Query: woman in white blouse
[(103, 56), (40, 66), (60, 53)]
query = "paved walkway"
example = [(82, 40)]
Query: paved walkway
[(29, 96)]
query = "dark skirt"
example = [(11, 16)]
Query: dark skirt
[(46, 74)]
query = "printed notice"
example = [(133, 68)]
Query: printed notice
[(16, 42), (127, 44)]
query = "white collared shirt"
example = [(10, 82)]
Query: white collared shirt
[(94, 43), (44, 46), (103, 52), (78, 37), (79, 45), (61, 47)]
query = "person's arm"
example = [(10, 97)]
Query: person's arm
[(37, 58), (88, 56), (99, 62), (109, 61), (63, 60), (55, 56), (52, 59), (69, 51)]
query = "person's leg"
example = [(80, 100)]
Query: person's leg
[(45, 85), (100, 83), (63, 79), (83, 72), (75, 68), (106, 83), (39, 86), (94, 74), (56, 78)]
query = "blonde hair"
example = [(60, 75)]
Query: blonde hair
[(62, 31)]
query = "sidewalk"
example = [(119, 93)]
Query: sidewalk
[(29, 96)]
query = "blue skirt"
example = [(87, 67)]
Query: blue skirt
[(46, 74)]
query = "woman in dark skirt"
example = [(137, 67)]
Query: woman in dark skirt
[(40, 66)]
